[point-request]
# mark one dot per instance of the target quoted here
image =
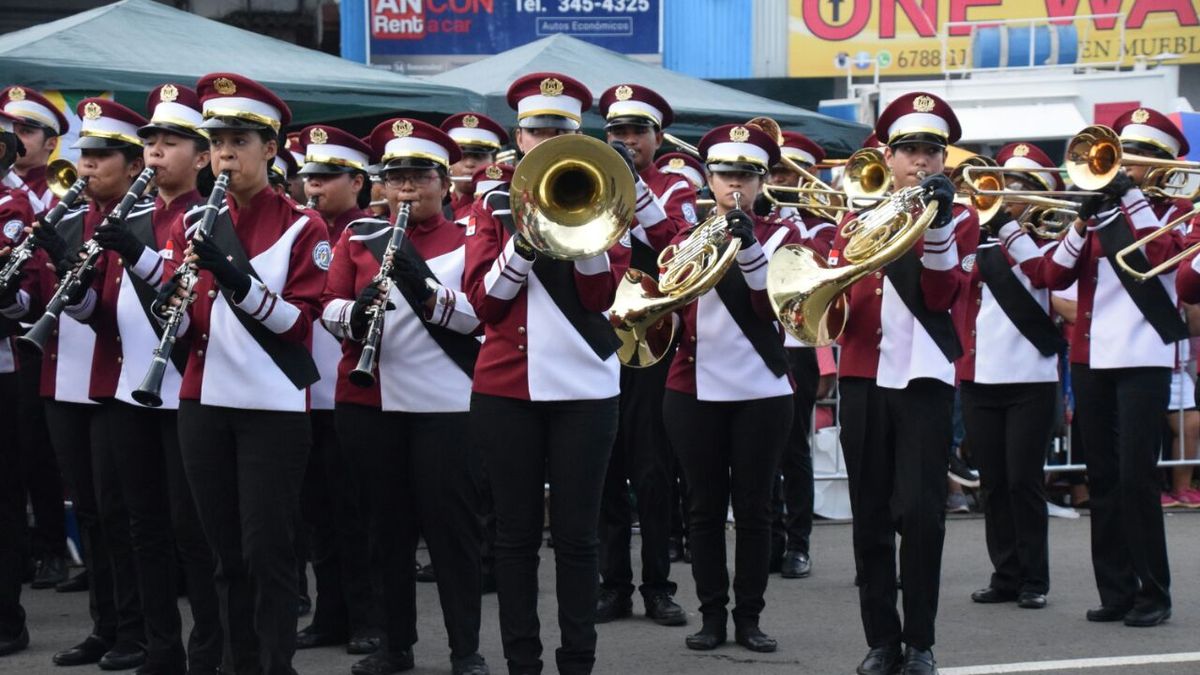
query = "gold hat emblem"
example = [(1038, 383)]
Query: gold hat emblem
[(92, 111), (494, 172), (16, 94), (551, 86), (676, 163), (168, 93), (224, 86), (923, 103), (739, 134), (402, 128), (318, 136), (624, 92), (1021, 150), (1140, 116), (470, 121)]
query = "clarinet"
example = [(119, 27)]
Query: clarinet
[(43, 328), (363, 374), (149, 393), (24, 251), (312, 202)]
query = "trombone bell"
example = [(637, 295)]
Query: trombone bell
[(60, 175)]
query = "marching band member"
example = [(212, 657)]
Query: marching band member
[(334, 172), (39, 127), (548, 372), (243, 422), (635, 118), (681, 164), (479, 137), (409, 430), (1009, 376), (728, 407), (897, 393), (1122, 352)]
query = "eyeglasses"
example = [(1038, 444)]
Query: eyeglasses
[(395, 180)]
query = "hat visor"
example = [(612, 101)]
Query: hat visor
[(321, 168), (407, 163), (177, 129), (548, 122), (736, 167), (237, 123), (99, 143), (477, 149), (630, 121), (922, 138), (1145, 150)]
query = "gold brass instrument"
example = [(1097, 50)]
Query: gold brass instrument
[(1172, 183), (981, 193), (809, 298), (1044, 216), (643, 312), (1094, 156), (1166, 265), (682, 145), (65, 183), (572, 197), (61, 174)]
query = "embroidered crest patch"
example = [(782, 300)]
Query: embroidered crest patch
[(12, 229), (322, 255), (968, 263), (689, 213)]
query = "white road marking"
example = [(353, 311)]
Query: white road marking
[(1072, 664)]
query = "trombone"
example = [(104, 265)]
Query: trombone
[(1094, 156), (1046, 216), (1166, 265), (866, 179)]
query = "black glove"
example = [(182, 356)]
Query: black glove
[(114, 236), (358, 313), (83, 280), (939, 189), (212, 258), (998, 221), (522, 246), (408, 277), (625, 155), (47, 239), (762, 206), (1108, 197), (741, 226), (162, 300)]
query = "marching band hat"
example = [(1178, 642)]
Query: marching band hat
[(488, 178), (739, 147), (801, 148), (327, 150), (173, 108), (30, 107), (231, 101), (1145, 131), (107, 124), (402, 143), (683, 165), (549, 100), (918, 117), (283, 166), (476, 132), (633, 104), (1025, 155)]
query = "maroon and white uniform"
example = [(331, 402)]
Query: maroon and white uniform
[(326, 348), (16, 213), (666, 205)]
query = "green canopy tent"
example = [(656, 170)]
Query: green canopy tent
[(131, 46), (699, 105)]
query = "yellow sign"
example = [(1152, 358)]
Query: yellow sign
[(904, 37)]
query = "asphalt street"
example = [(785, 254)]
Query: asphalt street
[(815, 620)]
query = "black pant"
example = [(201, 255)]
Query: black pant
[(112, 577), (896, 443), (641, 460), (332, 505), (417, 468), (1009, 428), (43, 480), (525, 444), (793, 494), (245, 468), (12, 517), (730, 452), (1120, 410)]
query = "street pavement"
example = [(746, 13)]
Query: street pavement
[(815, 619)]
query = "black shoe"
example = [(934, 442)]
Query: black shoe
[(881, 661), (362, 644), (88, 651), (16, 644), (76, 584), (709, 637), (1031, 600), (123, 657), (918, 662), (51, 571), (992, 595), (960, 472), (752, 638), (315, 637), (304, 607), (384, 663), (611, 606), (1145, 618), (471, 665), (675, 550), (425, 574), (1107, 613), (664, 611), (796, 565)]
